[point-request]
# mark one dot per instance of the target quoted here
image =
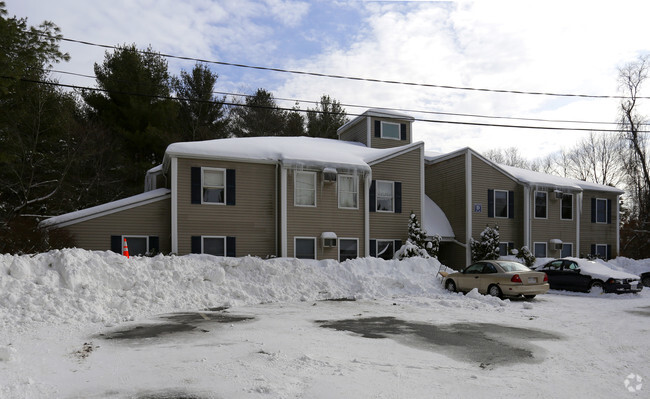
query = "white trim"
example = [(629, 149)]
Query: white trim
[(174, 206), (618, 226), (578, 212), (545, 249), (392, 196), (355, 179), (572, 206), (351, 239), (422, 190), (381, 130), (283, 212), (366, 212), (295, 188), (225, 243), (305, 238), (468, 206), (545, 205), (369, 131), (527, 219), (223, 171), (129, 236)]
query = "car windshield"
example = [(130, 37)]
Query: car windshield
[(513, 267)]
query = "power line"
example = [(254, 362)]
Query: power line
[(552, 128), (387, 108), (355, 78)]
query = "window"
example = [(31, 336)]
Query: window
[(214, 186), (601, 251), (567, 207), (348, 248), (385, 196), (305, 248), (348, 192), (541, 200), (540, 250), (500, 204), (567, 250), (555, 265), (505, 247), (138, 245), (390, 130), (305, 183), (601, 210), (213, 245), (385, 249)]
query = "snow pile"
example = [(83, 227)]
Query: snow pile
[(75, 285), (630, 265)]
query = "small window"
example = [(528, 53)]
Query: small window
[(601, 210), (214, 186), (305, 248), (475, 268), (213, 245), (567, 250), (555, 265), (567, 207), (601, 251), (348, 192), (385, 249), (504, 248), (540, 250), (500, 204), (348, 249), (385, 196), (305, 192), (541, 199), (138, 245), (390, 130)]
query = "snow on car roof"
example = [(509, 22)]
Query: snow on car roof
[(598, 269)]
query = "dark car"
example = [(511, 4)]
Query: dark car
[(573, 274), (645, 279)]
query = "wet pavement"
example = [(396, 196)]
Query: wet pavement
[(483, 343), (642, 311), (175, 323)]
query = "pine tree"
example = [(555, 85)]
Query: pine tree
[(488, 247), (417, 244)]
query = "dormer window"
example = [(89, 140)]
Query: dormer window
[(390, 130)]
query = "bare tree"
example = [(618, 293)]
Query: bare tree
[(509, 157), (597, 158)]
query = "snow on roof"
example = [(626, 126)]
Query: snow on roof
[(377, 112), (435, 221), (291, 151), (108, 208)]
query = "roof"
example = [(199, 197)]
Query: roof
[(107, 208), (379, 113), (290, 151), (525, 176), (435, 221)]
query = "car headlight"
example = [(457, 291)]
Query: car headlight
[(615, 281)]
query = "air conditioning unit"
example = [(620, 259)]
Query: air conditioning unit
[(329, 175), (556, 243), (558, 194), (329, 239)]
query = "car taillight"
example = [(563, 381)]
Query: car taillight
[(516, 279), (545, 278)]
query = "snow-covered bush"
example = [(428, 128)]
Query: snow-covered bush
[(488, 247), (417, 244), (526, 256)]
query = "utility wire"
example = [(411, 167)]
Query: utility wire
[(83, 88), (333, 76), (383, 108)]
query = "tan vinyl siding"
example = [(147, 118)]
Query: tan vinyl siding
[(406, 169), (597, 233), (326, 216), (445, 185), (553, 227), (357, 132), (377, 142), (153, 219), (252, 221), (484, 177)]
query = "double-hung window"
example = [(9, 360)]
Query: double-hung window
[(214, 186), (500, 204), (305, 248), (348, 192), (541, 203), (385, 249), (567, 207), (348, 248), (305, 193), (601, 210), (213, 245), (390, 130), (567, 250), (385, 196), (601, 251), (540, 249)]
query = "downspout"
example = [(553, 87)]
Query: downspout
[(275, 210), (174, 205), (366, 211), (283, 212), (618, 225), (468, 206), (578, 214), (527, 223)]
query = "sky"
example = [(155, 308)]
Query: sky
[(552, 46)]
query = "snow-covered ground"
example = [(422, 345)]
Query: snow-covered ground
[(80, 324)]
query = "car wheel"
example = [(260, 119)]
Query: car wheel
[(596, 287), (450, 285), (646, 281), (529, 296), (494, 290)]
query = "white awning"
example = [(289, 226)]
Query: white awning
[(435, 221)]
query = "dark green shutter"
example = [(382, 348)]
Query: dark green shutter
[(609, 252), (593, 210), (377, 129), (373, 198), (490, 203), (398, 197), (196, 244), (116, 244), (398, 245), (196, 184), (373, 248), (593, 249), (231, 247), (511, 204), (230, 187), (609, 211), (402, 128), (154, 245)]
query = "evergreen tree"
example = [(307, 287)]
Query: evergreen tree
[(259, 116), (326, 118), (488, 247), (526, 256), (295, 123), (417, 244)]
